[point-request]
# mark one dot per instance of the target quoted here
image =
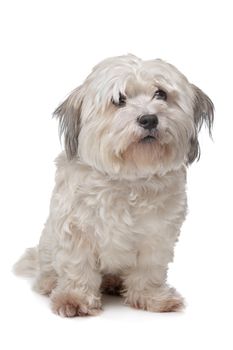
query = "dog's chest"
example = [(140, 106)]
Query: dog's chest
[(116, 208), (122, 217)]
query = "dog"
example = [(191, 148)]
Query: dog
[(130, 132)]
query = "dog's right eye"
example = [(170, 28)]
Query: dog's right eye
[(160, 95), (121, 101)]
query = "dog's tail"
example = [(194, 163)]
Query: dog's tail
[(28, 264)]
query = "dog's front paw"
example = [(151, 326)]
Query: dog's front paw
[(70, 304), (162, 299)]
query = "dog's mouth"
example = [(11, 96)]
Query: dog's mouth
[(148, 139)]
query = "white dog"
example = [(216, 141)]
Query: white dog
[(119, 201)]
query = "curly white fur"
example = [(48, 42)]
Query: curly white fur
[(119, 202)]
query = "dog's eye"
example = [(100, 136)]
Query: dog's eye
[(160, 95), (121, 102)]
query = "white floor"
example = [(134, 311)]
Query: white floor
[(28, 323)]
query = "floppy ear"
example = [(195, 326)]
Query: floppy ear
[(203, 109), (69, 114)]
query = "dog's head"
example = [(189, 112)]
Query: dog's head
[(134, 118)]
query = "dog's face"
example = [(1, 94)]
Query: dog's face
[(134, 118)]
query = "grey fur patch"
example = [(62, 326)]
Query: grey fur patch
[(203, 114), (69, 114)]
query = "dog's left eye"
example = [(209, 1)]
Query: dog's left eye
[(121, 102), (160, 95)]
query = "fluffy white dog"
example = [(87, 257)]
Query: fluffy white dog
[(119, 201)]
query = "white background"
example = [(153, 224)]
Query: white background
[(47, 49)]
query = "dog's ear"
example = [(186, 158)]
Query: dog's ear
[(69, 114), (203, 109)]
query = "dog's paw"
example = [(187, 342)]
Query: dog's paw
[(69, 304), (173, 303), (163, 299)]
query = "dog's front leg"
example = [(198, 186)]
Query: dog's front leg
[(78, 286), (145, 284)]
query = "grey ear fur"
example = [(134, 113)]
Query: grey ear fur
[(203, 113), (69, 113)]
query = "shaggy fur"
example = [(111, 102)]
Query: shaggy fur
[(119, 199)]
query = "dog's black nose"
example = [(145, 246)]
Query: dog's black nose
[(148, 121)]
